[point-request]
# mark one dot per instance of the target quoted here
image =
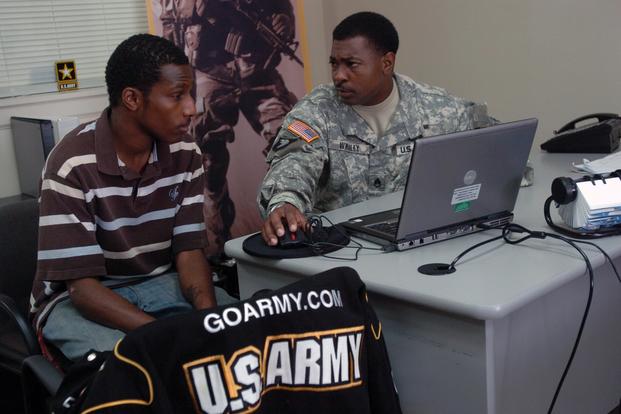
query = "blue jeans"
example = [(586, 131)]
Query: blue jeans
[(74, 335)]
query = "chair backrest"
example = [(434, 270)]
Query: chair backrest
[(19, 223), (312, 346)]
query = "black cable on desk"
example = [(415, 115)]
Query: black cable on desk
[(508, 231), (584, 316), (471, 248), (318, 245), (602, 251), (511, 229)]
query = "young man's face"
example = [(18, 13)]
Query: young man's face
[(361, 74), (169, 105)]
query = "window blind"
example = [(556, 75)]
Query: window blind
[(36, 33)]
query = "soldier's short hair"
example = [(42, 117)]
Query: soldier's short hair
[(377, 29), (136, 62)]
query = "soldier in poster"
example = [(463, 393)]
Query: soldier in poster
[(235, 47)]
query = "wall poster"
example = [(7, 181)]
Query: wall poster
[(248, 57)]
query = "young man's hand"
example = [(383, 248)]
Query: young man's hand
[(100, 304)]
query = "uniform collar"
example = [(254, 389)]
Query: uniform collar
[(408, 112), (352, 124)]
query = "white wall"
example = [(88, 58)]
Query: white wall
[(319, 40), (85, 104), (551, 59)]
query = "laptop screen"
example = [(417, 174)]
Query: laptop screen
[(466, 175)]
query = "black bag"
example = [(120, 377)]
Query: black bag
[(598, 137)]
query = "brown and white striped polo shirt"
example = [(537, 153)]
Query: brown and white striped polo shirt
[(100, 219)]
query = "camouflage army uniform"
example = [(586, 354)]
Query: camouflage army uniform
[(235, 71), (348, 162)]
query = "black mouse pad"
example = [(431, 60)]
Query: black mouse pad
[(334, 235)]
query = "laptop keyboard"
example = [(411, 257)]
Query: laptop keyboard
[(385, 227)]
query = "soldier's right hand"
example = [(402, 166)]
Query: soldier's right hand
[(285, 215), (282, 25)]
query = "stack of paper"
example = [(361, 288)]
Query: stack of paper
[(607, 164), (598, 204)]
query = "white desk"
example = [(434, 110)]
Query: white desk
[(494, 336)]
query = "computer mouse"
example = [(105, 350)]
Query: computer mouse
[(291, 240)]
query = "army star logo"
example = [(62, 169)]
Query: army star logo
[(66, 75), (66, 72)]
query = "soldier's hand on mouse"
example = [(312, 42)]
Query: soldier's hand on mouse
[(281, 216)]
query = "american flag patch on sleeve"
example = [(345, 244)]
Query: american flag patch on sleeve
[(303, 131)]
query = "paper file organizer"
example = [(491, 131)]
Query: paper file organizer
[(597, 204)]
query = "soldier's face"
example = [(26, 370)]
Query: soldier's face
[(169, 105), (361, 74)]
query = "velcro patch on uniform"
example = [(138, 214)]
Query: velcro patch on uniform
[(282, 143), (303, 131), (348, 146), (405, 149)]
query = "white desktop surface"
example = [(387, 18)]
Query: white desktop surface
[(525, 298), (490, 282)]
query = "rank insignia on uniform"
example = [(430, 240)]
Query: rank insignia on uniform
[(66, 75), (303, 131)]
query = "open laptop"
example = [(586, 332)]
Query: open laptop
[(457, 184)]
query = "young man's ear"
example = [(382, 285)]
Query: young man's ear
[(132, 98), (388, 62)]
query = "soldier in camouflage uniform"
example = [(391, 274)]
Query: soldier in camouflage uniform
[(235, 71), (327, 156)]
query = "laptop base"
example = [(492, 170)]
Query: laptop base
[(450, 232)]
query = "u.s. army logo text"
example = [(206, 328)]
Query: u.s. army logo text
[(313, 361)]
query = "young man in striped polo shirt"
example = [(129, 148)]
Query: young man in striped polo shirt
[(121, 227)]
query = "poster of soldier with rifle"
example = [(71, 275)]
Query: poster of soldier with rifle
[(248, 74)]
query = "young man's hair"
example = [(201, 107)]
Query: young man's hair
[(377, 29), (136, 62)]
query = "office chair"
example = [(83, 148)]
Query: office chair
[(18, 261), (19, 223), (312, 346)]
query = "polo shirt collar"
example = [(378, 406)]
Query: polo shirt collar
[(107, 159)]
